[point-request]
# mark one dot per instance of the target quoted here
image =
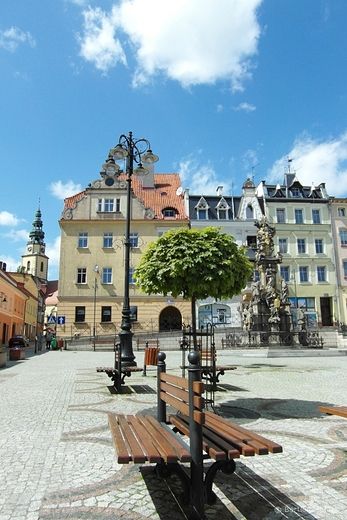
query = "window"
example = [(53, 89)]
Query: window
[(108, 240), (133, 313), (316, 216), (301, 245), (284, 272), (169, 213), (303, 274), (343, 237), (222, 214), (318, 244), (321, 274), (249, 211), (221, 315), (280, 216), (298, 216), (252, 241), (295, 192), (134, 240), (310, 304), (344, 265), (82, 240), (105, 314), (341, 212), (131, 275), (283, 245), (109, 204), (202, 214), (82, 275), (107, 275), (41, 267), (80, 314)]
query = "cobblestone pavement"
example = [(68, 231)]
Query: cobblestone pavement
[(57, 460)]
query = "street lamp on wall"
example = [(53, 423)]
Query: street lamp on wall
[(138, 151)]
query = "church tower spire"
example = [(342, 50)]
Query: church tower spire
[(35, 261)]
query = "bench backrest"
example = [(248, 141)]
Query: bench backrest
[(184, 395)]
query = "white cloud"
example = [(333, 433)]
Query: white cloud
[(189, 41), (8, 219), (247, 107), (12, 38), (98, 44), (17, 235), (199, 179), (315, 162), (61, 191)]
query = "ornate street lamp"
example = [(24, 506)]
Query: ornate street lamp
[(138, 151)]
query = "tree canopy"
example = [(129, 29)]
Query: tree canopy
[(194, 263)]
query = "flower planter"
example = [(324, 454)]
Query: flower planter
[(16, 354), (3, 358)]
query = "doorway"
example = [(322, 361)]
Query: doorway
[(170, 318), (325, 310)]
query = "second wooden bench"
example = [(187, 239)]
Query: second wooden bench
[(144, 438)]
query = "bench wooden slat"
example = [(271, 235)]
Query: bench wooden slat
[(120, 447), (166, 450), (182, 451), (136, 450), (218, 422), (150, 450), (334, 410), (174, 380)]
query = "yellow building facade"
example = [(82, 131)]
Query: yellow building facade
[(92, 271)]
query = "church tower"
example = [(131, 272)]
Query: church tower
[(35, 261)]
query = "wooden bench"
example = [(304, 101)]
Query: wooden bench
[(118, 373), (103, 342), (210, 371), (143, 438), (334, 410), (147, 343)]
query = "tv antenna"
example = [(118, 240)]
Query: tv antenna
[(253, 168)]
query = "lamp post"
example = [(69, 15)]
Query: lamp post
[(138, 151)]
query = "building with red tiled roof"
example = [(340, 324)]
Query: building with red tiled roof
[(91, 278)]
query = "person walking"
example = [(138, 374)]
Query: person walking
[(39, 341), (48, 340)]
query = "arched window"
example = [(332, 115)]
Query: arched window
[(28, 266), (249, 211)]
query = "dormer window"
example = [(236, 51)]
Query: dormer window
[(169, 213), (202, 209), (295, 192), (222, 210)]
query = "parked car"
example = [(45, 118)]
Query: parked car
[(20, 340)]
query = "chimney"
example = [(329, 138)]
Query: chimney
[(219, 191)]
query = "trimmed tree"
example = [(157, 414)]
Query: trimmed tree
[(195, 264)]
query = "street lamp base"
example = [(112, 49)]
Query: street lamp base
[(126, 349)]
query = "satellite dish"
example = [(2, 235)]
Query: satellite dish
[(179, 191)]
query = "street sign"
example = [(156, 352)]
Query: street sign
[(51, 319), (61, 320)]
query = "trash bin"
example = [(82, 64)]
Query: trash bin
[(54, 343)]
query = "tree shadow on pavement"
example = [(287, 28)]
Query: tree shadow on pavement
[(273, 409)]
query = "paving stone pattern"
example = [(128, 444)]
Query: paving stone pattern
[(57, 460)]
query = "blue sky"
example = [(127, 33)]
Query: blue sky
[(223, 91)]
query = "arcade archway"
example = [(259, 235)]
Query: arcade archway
[(170, 318)]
